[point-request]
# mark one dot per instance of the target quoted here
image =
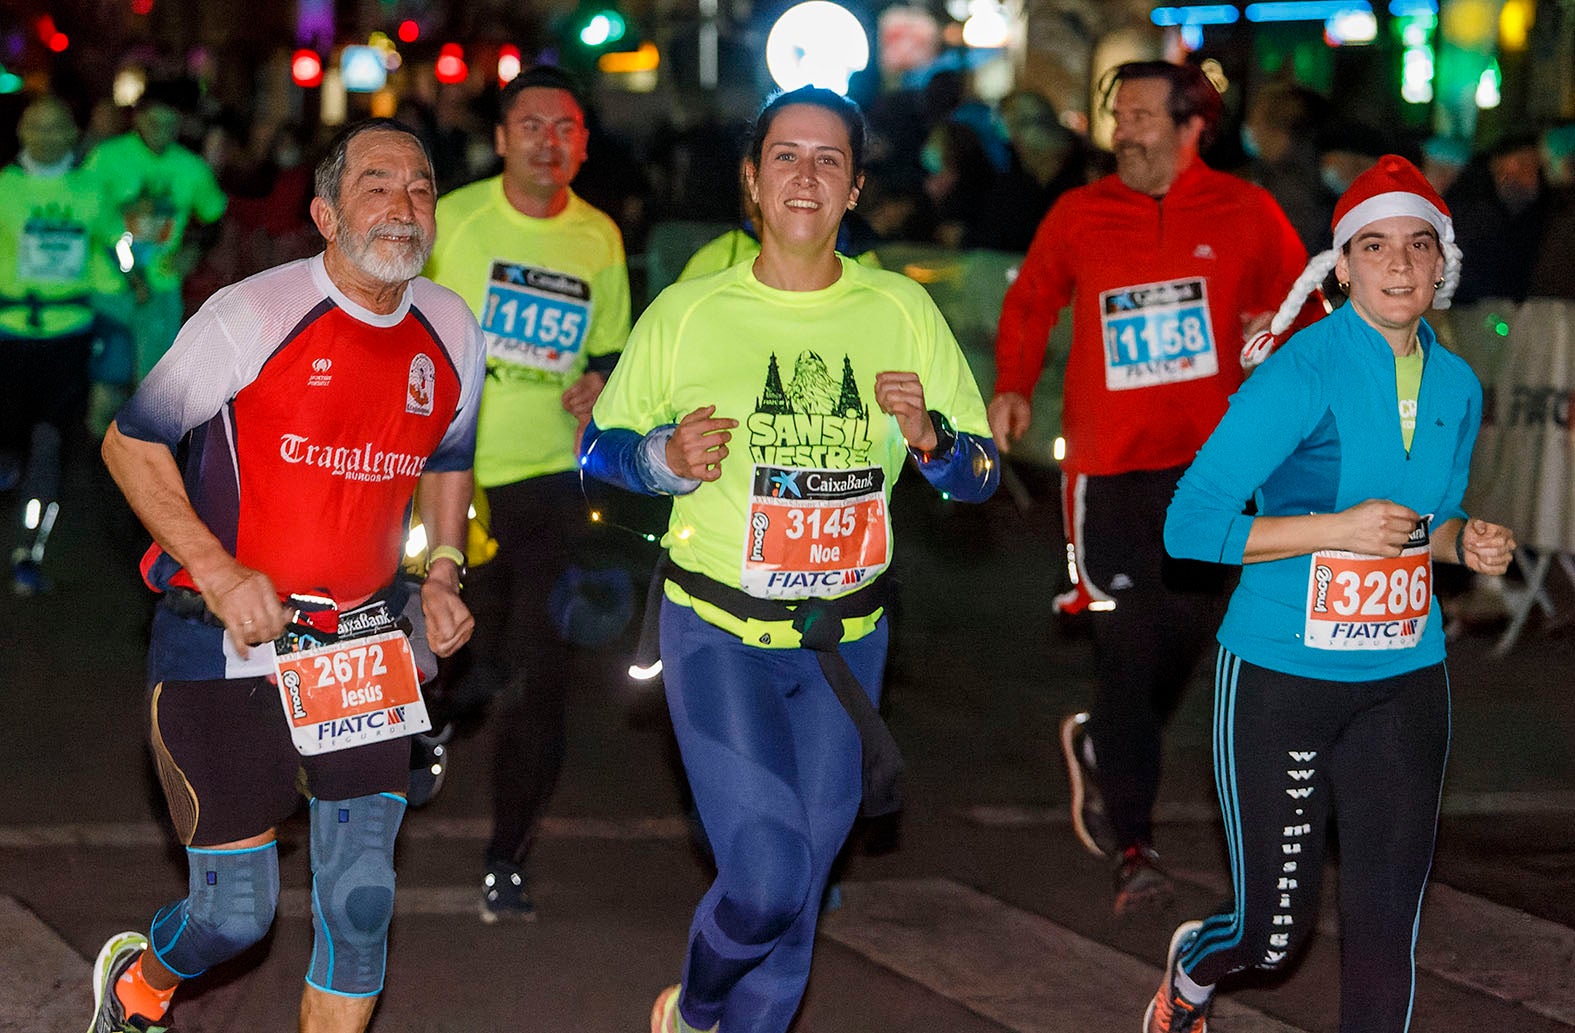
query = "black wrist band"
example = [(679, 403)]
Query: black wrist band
[(1460, 542), (945, 437)]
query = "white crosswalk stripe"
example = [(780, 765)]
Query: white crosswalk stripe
[(1009, 965), (1473, 942)]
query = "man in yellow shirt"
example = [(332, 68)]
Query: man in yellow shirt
[(160, 187), (545, 274)]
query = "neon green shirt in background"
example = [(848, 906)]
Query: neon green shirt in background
[(736, 246), (549, 293), (56, 233), (157, 194), (797, 370), (1408, 385)]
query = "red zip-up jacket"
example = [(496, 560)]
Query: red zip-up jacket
[(1160, 289)]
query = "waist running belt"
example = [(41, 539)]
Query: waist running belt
[(819, 624)]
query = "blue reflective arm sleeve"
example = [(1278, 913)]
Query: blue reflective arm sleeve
[(632, 461), (968, 471)]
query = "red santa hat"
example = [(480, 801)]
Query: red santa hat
[(1393, 186)]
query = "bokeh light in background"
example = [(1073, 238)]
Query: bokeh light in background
[(817, 43)]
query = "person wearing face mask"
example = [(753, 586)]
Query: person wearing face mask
[(1346, 149), (1353, 442), (545, 273), (1169, 266), (55, 242), (777, 402), (161, 187), (1501, 213), (1278, 137)]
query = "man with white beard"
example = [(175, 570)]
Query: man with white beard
[(318, 397)]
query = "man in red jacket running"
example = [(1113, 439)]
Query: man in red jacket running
[(1168, 266)]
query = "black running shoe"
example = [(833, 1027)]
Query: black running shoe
[(1089, 819), (505, 895), (1140, 882), (428, 765)]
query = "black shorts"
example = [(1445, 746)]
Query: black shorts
[(230, 770)]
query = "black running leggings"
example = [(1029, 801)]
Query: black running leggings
[(1288, 752)]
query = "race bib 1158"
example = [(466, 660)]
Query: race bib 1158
[(1157, 333)]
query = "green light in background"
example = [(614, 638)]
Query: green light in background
[(10, 82)]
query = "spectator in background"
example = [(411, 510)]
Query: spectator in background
[(1500, 210), (268, 223), (1443, 158), (159, 186), (894, 204), (1278, 136), (959, 182), (692, 160), (1047, 159), (1554, 273), (1347, 149), (947, 98)]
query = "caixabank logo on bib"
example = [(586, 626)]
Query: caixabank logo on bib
[(812, 420)]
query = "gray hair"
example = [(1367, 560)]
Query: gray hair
[(330, 172)]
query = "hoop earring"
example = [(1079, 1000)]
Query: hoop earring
[(1344, 285), (1438, 284)]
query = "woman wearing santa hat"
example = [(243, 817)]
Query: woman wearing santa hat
[(1331, 695)]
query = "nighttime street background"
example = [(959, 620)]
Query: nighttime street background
[(981, 913)]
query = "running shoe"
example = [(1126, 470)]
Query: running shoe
[(1089, 819), (505, 896), (1169, 1012), (428, 765), (664, 1013), (1140, 883), (119, 953)]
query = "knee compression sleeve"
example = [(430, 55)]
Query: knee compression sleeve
[(229, 906), (352, 891)]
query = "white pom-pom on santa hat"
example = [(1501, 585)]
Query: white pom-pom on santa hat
[(1393, 186)]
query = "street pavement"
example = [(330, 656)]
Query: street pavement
[(977, 912)]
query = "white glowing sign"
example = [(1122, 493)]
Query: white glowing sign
[(816, 43)]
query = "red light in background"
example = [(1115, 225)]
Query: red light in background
[(306, 68), (451, 68), (409, 31), (59, 42), (46, 27), (141, 6)]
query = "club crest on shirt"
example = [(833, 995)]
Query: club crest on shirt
[(422, 385), (812, 420)]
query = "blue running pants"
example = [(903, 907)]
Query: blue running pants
[(774, 763)]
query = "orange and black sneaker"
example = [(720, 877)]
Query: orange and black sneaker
[(118, 954), (1169, 1011)]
